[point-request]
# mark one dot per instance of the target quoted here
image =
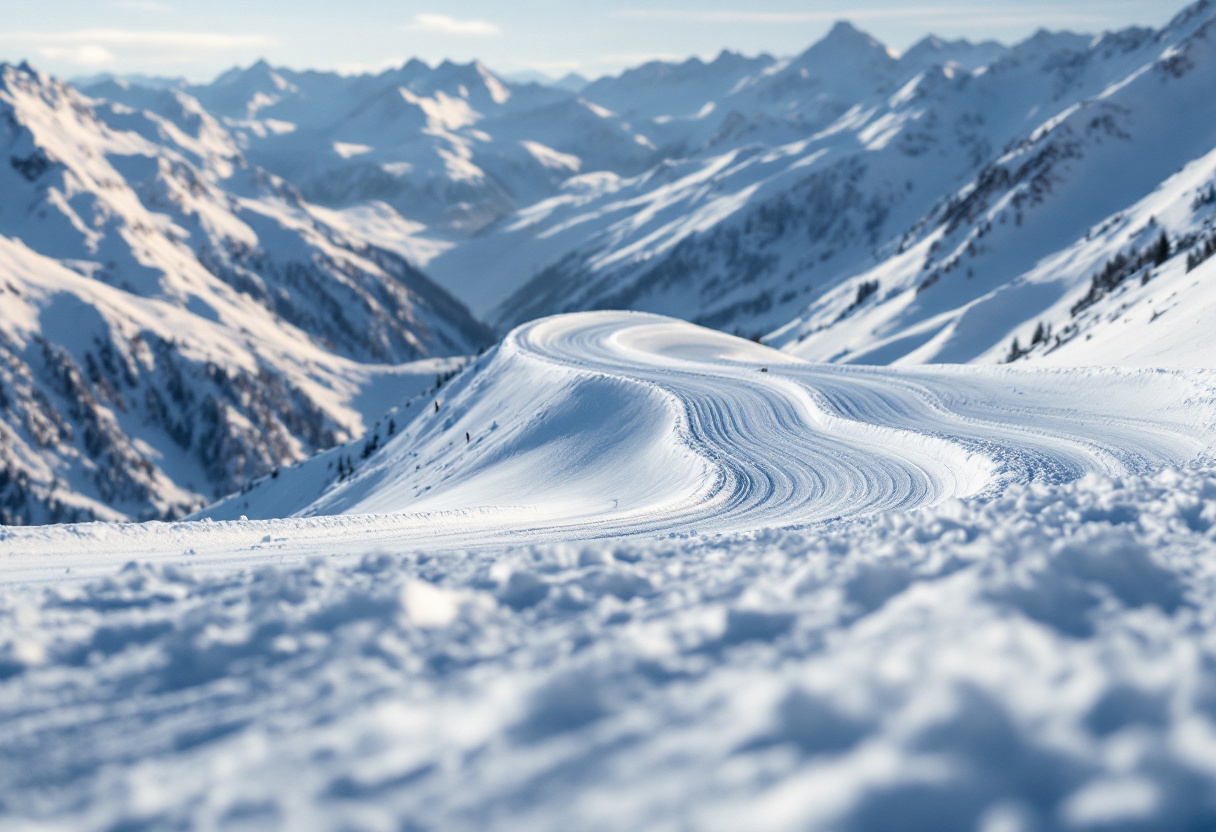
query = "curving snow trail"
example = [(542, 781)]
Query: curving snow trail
[(610, 424), (799, 442), (780, 455)]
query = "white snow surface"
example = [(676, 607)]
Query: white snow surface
[(678, 580), (614, 423), (1036, 660), (620, 572)]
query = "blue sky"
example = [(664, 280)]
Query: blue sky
[(200, 39)]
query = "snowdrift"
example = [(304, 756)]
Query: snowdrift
[(1041, 660)]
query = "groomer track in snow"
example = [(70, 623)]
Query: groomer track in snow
[(605, 424)]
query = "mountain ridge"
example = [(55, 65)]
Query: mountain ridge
[(177, 322), (846, 204)]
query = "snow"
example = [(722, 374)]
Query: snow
[(423, 139), (817, 194), (1119, 329), (620, 570), (177, 323), (749, 194), (380, 224), (1019, 243), (621, 423), (346, 150), (1036, 659)]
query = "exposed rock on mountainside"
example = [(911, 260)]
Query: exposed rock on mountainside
[(177, 323)]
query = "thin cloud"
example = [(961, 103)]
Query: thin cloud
[(554, 66), (442, 24), (96, 47), (88, 55), (154, 6), (159, 41)]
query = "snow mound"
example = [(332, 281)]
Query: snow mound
[(1039, 660), (614, 423)]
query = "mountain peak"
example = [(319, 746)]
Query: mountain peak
[(932, 43), (847, 44), (451, 77), (1190, 19), (24, 76), (258, 71), (844, 34), (845, 29)]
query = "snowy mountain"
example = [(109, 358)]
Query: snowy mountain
[(747, 239), (571, 81), (452, 146), (1047, 232), (665, 90), (960, 54), (175, 321), (694, 107), (852, 204), (458, 148)]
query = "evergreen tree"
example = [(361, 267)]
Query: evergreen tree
[(1161, 250), (1015, 351)]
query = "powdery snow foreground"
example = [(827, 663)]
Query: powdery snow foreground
[(1044, 659)]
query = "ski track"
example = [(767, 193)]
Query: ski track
[(800, 442), (794, 444)]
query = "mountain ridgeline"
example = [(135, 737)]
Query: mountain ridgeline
[(203, 283), (177, 321)]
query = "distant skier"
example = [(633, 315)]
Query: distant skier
[(436, 407)]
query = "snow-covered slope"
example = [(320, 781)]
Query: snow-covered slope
[(114, 405), (745, 238), (175, 322), (1038, 655), (616, 423), (1096, 301), (1020, 243), (1039, 661)]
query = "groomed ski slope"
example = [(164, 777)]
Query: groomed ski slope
[(611, 424)]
